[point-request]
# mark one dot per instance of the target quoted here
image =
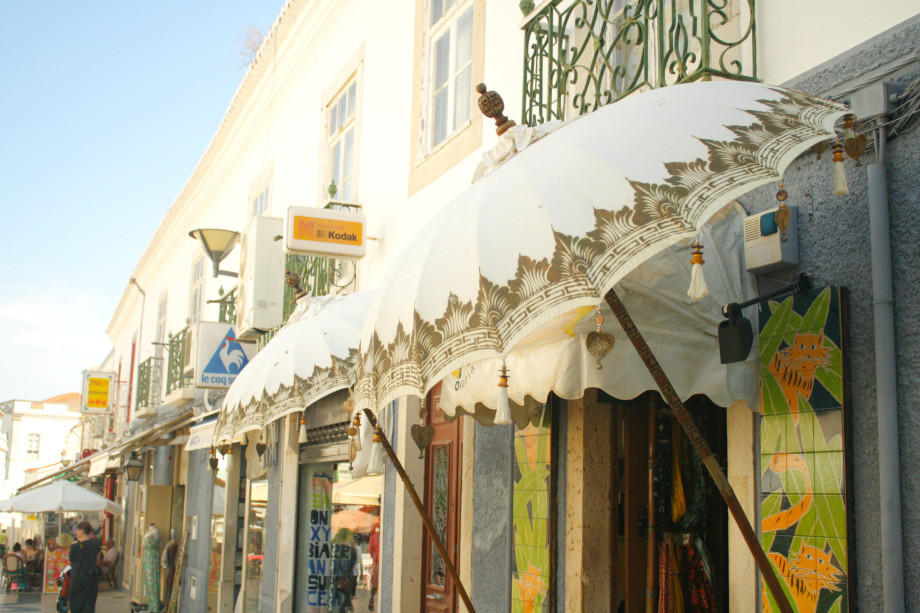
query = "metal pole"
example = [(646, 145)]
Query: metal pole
[(702, 448), (886, 383), (429, 526)]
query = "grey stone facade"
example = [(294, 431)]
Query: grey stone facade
[(198, 503), (834, 247)]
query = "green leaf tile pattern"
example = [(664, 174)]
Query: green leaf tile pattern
[(803, 485)]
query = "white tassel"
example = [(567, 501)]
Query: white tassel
[(503, 411), (376, 465), (840, 176), (357, 440), (303, 430), (848, 132), (698, 289)]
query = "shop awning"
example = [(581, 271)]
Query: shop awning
[(98, 463), (114, 452), (312, 356), (201, 435)]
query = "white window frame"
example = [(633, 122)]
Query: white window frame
[(446, 24), (260, 193), (337, 128), (33, 446), (196, 289)]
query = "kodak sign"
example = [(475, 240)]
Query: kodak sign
[(325, 232)]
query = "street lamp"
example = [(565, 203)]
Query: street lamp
[(133, 467), (217, 244)]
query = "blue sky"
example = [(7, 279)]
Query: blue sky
[(106, 108)]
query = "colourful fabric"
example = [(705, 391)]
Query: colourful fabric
[(702, 598), (151, 563)]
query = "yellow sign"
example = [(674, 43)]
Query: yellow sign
[(325, 232), (328, 230), (98, 391), (97, 396)]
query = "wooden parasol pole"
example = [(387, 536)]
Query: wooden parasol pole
[(421, 510), (651, 594), (702, 448)]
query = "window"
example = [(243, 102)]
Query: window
[(33, 443), (449, 50), (196, 291), (259, 204), (450, 70), (340, 135), (161, 327)]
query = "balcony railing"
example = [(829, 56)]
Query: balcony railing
[(226, 305), (148, 383), (179, 357), (318, 277), (582, 54)]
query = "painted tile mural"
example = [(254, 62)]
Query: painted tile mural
[(803, 481), (530, 579)]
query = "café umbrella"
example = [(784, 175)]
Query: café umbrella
[(59, 497), (553, 225)]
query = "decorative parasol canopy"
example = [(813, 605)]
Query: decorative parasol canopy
[(59, 497), (312, 356), (683, 335), (565, 219)]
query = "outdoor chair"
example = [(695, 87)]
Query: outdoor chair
[(14, 571), (111, 575)]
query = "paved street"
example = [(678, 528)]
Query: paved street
[(109, 601)]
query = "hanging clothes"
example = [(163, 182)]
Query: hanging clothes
[(702, 597), (151, 563)]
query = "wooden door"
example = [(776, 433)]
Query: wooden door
[(442, 500)]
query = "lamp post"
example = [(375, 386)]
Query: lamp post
[(217, 244), (133, 467)]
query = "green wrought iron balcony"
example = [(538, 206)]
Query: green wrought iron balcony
[(582, 54), (226, 305), (318, 277), (148, 384), (179, 360)]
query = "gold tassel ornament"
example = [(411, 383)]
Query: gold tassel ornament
[(503, 411), (782, 214), (212, 461), (840, 175), (354, 431), (698, 289), (303, 429), (376, 465)]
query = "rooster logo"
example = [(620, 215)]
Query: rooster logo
[(234, 358), (229, 359)]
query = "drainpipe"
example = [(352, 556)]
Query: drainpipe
[(886, 385), (140, 330)]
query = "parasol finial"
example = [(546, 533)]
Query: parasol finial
[(492, 106)]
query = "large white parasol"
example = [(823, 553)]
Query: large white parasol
[(554, 228), (312, 356), (59, 497), (561, 222)]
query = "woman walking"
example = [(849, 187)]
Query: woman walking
[(84, 574)]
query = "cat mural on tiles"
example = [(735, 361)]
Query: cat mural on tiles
[(803, 493)]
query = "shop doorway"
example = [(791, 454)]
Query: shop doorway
[(688, 560), (442, 501), (337, 519)]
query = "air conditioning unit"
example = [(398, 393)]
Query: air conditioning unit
[(260, 293), (766, 249)]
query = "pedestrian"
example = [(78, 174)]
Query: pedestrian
[(4, 537), (84, 574)]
